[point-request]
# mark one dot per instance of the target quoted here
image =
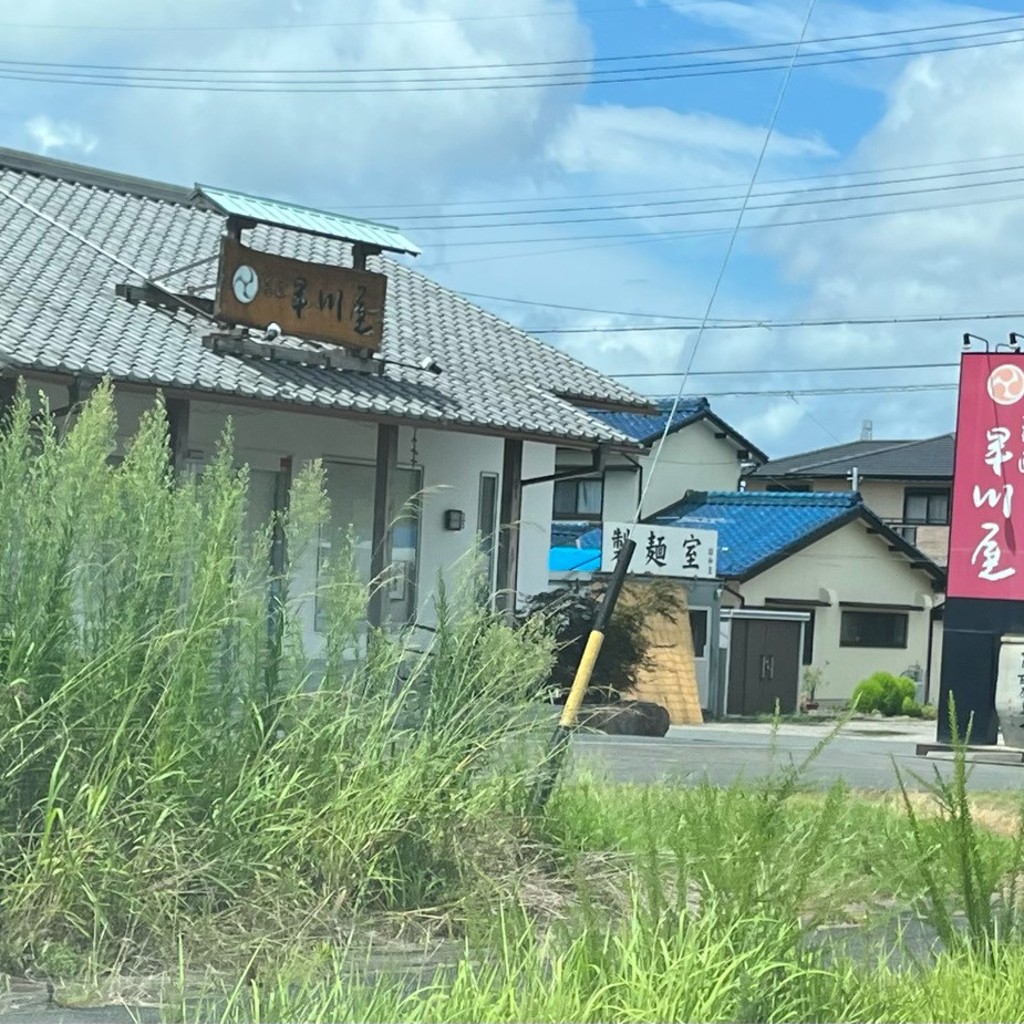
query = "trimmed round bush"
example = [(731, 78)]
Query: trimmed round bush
[(884, 692)]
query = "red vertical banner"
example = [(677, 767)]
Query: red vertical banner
[(986, 541)]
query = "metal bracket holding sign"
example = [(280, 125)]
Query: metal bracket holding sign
[(314, 301), (674, 551)]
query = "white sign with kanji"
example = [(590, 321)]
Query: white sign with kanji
[(662, 550)]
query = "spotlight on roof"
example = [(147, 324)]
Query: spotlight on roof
[(969, 338)]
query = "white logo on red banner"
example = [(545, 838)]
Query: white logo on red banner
[(1006, 384)]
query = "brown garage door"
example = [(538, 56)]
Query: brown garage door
[(764, 666)]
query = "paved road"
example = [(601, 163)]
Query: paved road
[(862, 755)]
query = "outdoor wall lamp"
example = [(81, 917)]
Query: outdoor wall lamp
[(454, 519), (968, 338)]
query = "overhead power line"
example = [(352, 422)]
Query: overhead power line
[(874, 389), (733, 323), (767, 325), (794, 201), (784, 369), (573, 79), (663, 236), (395, 207), (637, 208), (136, 28), (586, 62), (724, 266)]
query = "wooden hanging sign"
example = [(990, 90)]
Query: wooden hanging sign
[(314, 301)]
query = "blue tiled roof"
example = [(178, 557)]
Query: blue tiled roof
[(757, 527), (646, 429)]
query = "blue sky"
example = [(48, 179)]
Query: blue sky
[(445, 165)]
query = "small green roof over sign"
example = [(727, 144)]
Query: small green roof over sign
[(302, 218)]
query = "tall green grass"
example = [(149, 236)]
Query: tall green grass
[(171, 761), (694, 904)]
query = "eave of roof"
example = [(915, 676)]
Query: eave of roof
[(505, 402)]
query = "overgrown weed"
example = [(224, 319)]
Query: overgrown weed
[(170, 760)]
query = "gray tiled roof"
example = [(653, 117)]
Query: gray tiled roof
[(929, 458), (59, 313)]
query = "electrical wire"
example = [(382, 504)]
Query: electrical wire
[(655, 236), (437, 85), (761, 371), (725, 264), (586, 62), (725, 323), (816, 201), (394, 207), (777, 193), (316, 25), (767, 325), (867, 389)]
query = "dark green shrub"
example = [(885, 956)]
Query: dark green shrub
[(569, 614), (884, 692)]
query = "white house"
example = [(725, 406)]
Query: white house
[(701, 453), (102, 275), (823, 570), (905, 482)]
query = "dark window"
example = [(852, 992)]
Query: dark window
[(578, 499), (808, 652), (927, 507), (799, 488), (873, 629), (487, 527), (699, 631)]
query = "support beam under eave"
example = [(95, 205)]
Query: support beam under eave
[(510, 512), (383, 517)]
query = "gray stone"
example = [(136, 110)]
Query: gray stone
[(627, 718)]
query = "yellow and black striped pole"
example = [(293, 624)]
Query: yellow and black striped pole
[(552, 763)]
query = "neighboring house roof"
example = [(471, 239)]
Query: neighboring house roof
[(756, 530), (59, 314), (928, 458), (648, 428)]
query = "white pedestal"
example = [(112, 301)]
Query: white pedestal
[(1010, 690)]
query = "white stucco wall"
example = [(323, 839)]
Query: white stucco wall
[(693, 459), (851, 565), (451, 464)]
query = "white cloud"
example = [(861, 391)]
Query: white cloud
[(659, 145), (49, 134), (339, 149)]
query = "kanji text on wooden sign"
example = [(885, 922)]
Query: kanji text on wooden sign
[(662, 550), (314, 301)]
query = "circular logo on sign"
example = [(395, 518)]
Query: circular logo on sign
[(245, 283), (1006, 384)]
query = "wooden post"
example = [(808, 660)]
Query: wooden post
[(510, 512), (282, 496), (383, 516), (177, 423)]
